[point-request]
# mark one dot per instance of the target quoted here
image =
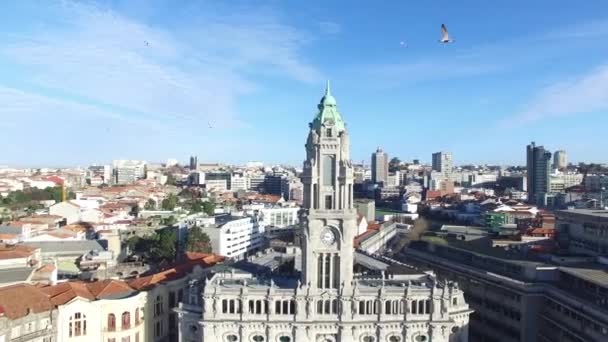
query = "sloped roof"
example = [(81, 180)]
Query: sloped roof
[(17, 300), (16, 251), (65, 292), (177, 271)]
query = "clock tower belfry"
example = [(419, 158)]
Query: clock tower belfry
[(329, 220)]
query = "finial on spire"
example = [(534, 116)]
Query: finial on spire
[(327, 90)]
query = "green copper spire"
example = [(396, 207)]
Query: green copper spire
[(328, 112)]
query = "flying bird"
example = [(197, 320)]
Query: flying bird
[(445, 37), (146, 42), (209, 124), (404, 44)]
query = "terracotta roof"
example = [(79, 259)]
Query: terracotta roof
[(17, 300), (77, 227), (55, 179), (46, 268), (65, 292), (16, 251), (108, 287), (60, 235), (7, 237), (177, 271)]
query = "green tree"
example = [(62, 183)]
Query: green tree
[(169, 221), (150, 205), (164, 247), (169, 203), (196, 207), (171, 180), (209, 207), (198, 241), (393, 165)]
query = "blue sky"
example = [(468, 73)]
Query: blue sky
[(80, 85)]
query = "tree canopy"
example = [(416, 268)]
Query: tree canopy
[(393, 165), (169, 203), (156, 247), (25, 198), (150, 205), (198, 241)]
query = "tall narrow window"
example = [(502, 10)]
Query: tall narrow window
[(326, 272), (78, 325), (328, 202), (126, 320), (111, 322), (315, 196), (336, 277), (320, 271), (329, 169)]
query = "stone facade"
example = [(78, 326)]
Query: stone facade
[(328, 302)]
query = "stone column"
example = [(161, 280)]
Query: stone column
[(331, 257)]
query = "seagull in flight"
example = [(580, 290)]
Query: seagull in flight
[(146, 42), (445, 37), (209, 124)]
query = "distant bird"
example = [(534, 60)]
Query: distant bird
[(146, 42), (445, 37), (209, 124), (404, 44)]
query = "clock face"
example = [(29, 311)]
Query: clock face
[(328, 237)]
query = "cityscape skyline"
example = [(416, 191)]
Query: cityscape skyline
[(127, 82)]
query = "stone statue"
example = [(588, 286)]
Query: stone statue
[(345, 146), (315, 137)]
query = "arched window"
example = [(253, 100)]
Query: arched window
[(126, 320), (158, 306), (78, 324), (111, 322)]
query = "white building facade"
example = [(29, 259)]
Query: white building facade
[(234, 237), (328, 302)]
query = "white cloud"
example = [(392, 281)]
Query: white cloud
[(585, 94), (107, 60)]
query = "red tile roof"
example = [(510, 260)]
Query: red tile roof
[(177, 271), (17, 301), (16, 251)]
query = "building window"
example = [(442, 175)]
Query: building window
[(455, 301), (78, 325), (137, 336), (126, 339), (329, 169), (328, 202), (257, 338), (111, 322), (171, 299), (158, 329), (136, 315), (158, 306), (111, 340), (284, 339), (232, 338), (126, 320)]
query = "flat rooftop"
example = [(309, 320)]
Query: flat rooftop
[(586, 212), (593, 272)]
